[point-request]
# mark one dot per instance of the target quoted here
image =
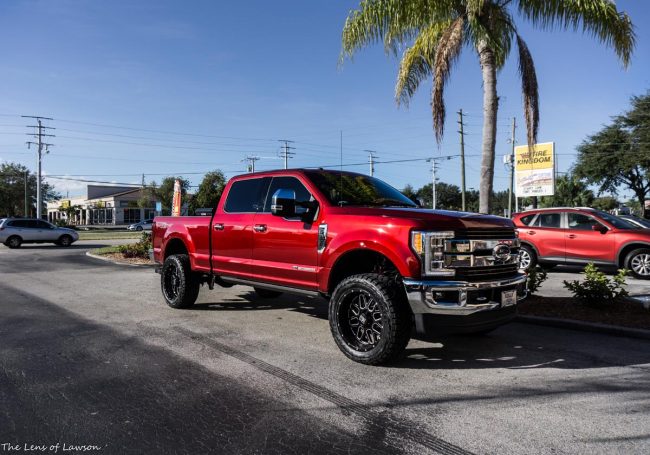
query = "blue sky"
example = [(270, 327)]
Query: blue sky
[(165, 87)]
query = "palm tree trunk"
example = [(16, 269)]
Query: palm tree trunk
[(490, 108)]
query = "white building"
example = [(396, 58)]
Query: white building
[(103, 205)]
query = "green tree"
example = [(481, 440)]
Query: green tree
[(605, 203), (410, 193), (12, 191), (437, 31), (570, 191), (165, 192), (448, 196), (209, 191), (619, 154)]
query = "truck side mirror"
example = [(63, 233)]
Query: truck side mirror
[(283, 203)]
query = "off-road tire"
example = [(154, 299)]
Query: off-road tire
[(396, 318), (638, 263), (528, 256), (64, 240), (180, 286), (267, 293), (14, 241)]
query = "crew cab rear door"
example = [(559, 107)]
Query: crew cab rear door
[(232, 227), (285, 250)]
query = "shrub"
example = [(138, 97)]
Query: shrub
[(597, 290), (536, 277), (139, 249)]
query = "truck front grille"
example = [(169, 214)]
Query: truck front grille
[(486, 273)]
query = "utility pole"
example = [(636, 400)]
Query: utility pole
[(39, 135), (142, 180), (251, 162), (462, 158), (26, 201), (512, 167), (371, 160), (286, 154)]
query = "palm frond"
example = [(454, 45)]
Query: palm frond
[(599, 18), (491, 26), (529, 91), (392, 22), (417, 62), (447, 51)]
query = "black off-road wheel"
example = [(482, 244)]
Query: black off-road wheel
[(370, 319), (638, 262), (64, 240), (14, 241), (267, 293), (180, 286)]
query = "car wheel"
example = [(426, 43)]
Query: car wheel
[(138, 228), (638, 262), (527, 258), (65, 240), (370, 318), (14, 241), (180, 286), (267, 293)]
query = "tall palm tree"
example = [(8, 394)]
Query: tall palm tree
[(437, 30)]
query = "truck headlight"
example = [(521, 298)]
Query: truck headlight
[(430, 246)]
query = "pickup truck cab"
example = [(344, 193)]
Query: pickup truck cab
[(389, 268)]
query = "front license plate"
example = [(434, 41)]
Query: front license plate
[(508, 298)]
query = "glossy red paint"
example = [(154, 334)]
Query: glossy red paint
[(262, 247), (572, 240)]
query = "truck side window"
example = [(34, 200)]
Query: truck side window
[(246, 196), (288, 183)]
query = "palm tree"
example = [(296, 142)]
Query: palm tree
[(437, 31)]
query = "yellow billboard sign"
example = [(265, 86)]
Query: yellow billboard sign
[(535, 170), (65, 203)]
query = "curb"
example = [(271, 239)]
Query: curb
[(96, 256), (585, 326)]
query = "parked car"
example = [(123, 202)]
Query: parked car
[(388, 268), (640, 222), (16, 231), (144, 225), (581, 235)]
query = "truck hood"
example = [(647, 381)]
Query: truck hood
[(445, 219)]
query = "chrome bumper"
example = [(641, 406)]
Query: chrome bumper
[(461, 297)]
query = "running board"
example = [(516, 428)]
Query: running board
[(270, 287)]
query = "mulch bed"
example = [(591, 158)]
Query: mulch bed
[(624, 313), (119, 257)]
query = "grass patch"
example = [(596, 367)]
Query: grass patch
[(106, 250), (108, 235)]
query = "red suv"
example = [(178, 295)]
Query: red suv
[(582, 235)]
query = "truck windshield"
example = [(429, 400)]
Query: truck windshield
[(346, 188)]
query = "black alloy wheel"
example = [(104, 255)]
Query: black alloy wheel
[(180, 286), (370, 318)]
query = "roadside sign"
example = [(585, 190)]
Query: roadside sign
[(535, 170)]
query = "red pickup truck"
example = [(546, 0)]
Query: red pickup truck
[(389, 268)]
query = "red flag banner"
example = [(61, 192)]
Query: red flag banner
[(176, 203)]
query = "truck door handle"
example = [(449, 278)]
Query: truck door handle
[(571, 236), (218, 226), (259, 228)]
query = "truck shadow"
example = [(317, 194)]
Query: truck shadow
[(249, 301)]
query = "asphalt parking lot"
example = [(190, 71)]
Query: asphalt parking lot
[(91, 356)]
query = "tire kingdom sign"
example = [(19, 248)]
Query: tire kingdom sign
[(535, 170)]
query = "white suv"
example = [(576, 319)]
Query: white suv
[(16, 231)]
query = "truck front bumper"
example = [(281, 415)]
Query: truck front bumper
[(449, 307)]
